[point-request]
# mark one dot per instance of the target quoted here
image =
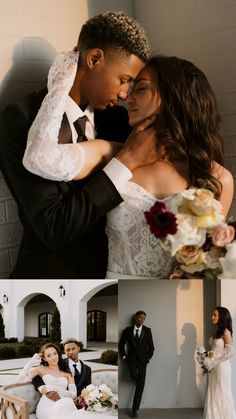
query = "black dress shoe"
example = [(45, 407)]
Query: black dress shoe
[(133, 414)]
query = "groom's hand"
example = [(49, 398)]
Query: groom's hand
[(53, 395), (140, 147)]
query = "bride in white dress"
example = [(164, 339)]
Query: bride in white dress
[(57, 378), (219, 399), (176, 97)]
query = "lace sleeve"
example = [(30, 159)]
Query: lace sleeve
[(25, 375), (215, 360), (43, 155)]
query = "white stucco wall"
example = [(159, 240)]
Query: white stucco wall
[(72, 307)]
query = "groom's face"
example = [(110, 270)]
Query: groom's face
[(72, 351), (139, 320), (109, 78)]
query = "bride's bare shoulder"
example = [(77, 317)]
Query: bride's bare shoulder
[(221, 173), (227, 182)]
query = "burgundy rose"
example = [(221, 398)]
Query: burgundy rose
[(83, 404), (161, 221)]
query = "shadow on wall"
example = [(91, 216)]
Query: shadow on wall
[(187, 367), (31, 61)]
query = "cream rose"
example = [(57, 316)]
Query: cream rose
[(228, 263), (222, 235), (204, 202), (188, 233), (192, 258), (211, 220)]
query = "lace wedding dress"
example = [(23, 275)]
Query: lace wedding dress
[(219, 399), (134, 252)]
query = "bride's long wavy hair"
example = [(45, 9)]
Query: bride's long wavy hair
[(188, 123), (61, 364), (224, 322)]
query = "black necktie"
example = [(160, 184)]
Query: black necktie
[(77, 374), (79, 125), (137, 336)]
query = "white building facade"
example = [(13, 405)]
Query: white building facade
[(24, 301)]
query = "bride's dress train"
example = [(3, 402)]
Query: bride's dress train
[(48, 409), (219, 399)]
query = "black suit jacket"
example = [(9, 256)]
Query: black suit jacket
[(83, 381), (64, 223), (136, 353)]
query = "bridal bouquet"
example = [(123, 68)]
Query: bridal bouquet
[(202, 354), (98, 399), (203, 245)]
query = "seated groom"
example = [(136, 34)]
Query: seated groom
[(80, 371)]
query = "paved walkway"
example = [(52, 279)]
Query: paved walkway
[(164, 414), (10, 368)]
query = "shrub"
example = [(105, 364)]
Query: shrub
[(3, 340), (55, 334), (2, 327), (7, 353), (109, 357), (26, 350), (12, 340)]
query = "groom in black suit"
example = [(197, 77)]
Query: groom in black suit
[(64, 222), (80, 371), (136, 348)]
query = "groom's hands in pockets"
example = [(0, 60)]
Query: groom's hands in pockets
[(140, 147)]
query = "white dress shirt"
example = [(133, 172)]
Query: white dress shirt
[(139, 330), (78, 366)]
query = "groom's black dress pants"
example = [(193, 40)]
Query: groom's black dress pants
[(137, 372)]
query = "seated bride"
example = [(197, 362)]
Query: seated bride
[(57, 380)]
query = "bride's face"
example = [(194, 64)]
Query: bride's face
[(51, 356), (144, 100), (215, 317)]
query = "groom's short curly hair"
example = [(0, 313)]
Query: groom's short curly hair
[(139, 312), (114, 31), (73, 340)]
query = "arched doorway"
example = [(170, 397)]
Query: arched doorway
[(96, 325), (102, 310), (35, 316)]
